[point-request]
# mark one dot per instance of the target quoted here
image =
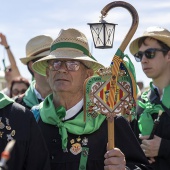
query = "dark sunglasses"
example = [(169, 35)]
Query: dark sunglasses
[(17, 92), (149, 53), (55, 65)]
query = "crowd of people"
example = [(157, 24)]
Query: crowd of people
[(45, 116)]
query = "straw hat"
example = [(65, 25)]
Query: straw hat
[(72, 45), (158, 33), (37, 47)]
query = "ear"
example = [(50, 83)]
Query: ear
[(47, 72), (168, 54), (30, 66), (90, 72)]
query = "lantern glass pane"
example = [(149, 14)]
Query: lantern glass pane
[(109, 34), (97, 33)]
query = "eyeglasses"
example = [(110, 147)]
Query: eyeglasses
[(17, 92), (149, 53), (55, 65)]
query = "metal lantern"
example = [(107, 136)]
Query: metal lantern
[(103, 34)]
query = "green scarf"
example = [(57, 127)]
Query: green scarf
[(5, 100), (51, 115), (166, 97), (30, 98), (145, 121)]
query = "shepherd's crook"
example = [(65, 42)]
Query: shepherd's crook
[(122, 47)]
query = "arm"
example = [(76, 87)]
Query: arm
[(10, 55)]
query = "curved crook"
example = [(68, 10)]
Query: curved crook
[(135, 20)]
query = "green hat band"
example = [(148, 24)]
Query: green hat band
[(71, 45)]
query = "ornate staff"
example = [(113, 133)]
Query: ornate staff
[(114, 90)]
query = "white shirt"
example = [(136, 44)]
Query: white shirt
[(74, 110), (38, 95)]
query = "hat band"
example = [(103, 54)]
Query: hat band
[(40, 51), (71, 45)]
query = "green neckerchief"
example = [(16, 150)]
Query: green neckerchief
[(145, 121), (51, 115), (166, 97), (30, 97), (5, 100)]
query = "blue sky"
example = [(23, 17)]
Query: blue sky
[(21, 20)]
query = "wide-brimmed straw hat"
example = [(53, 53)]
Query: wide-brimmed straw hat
[(71, 44), (37, 47), (158, 33)]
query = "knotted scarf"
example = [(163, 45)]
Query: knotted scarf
[(30, 98), (145, 121), (5, 100), (51, 115)]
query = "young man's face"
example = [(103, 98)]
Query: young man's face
[(156, 66)]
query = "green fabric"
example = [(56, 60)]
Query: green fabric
[(128, 64), (83, 159), (30, 97), (51, 115), (145, 121), (71, 45), (166, 97), (120, 54), (5, 100)]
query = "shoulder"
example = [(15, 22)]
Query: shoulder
[(120, 121), (19, 99), (18, 111)]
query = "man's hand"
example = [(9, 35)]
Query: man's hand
[(150, 147), (114, 160)]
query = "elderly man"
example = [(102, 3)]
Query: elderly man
[(18, 123), (152, 49), (36, 48), (74, 144)]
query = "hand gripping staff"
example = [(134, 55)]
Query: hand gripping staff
[(113, 92)]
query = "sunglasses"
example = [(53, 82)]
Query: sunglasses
[(55, 65), (17, 92), (149, 53)]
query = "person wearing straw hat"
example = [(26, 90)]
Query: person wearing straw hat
[(36, 48), (74, 144), (18, 124), (152, 49)]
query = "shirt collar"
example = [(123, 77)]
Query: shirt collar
[(38, 95), (74, 110), (155, 87)]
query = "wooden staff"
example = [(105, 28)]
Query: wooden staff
[(129, 35)]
